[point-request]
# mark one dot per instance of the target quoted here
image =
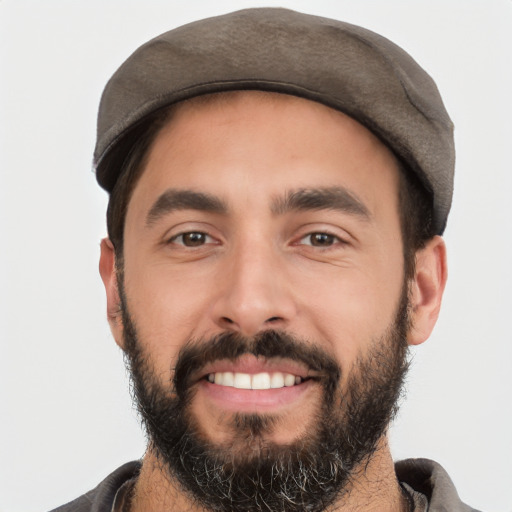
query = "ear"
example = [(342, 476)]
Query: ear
[(426, 289), (109, 277)]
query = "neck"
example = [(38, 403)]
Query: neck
[(373, 487)]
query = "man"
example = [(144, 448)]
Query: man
[(278, 187)]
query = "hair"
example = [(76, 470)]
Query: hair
[(130, 157), (415, 208)]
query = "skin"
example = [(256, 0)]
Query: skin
[(259, 268)]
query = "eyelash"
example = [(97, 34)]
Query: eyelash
[(205, 239), (181, 236), (334, 239)]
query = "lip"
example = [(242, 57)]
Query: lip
[(231, 399), (251, 364), (254, 400)]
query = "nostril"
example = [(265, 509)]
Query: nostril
[(227, 320), (273, 319)]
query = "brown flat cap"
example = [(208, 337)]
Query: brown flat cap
[(343, 66)]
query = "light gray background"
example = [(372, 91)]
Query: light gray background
[(65, 413)]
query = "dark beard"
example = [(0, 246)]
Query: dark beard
[(252, 474)]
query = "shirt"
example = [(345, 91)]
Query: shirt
[(426, 482)]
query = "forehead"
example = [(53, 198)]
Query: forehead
[(272, 141), (300, 116)]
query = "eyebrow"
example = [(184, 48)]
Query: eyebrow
[(326, 198), (304, 199), (174, 199)]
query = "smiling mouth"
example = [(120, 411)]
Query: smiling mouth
[(259, 381), (251, 384)]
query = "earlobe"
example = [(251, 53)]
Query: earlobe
[(108, 274), (426, 290)]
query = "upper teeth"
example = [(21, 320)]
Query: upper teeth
[(257, 381)]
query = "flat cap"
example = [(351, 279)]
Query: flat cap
[(343, 66)]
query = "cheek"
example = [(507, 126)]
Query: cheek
[(167, 308), (350, 308)]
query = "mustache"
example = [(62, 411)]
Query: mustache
[(267, 344)]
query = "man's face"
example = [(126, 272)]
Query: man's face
[(264, 213)]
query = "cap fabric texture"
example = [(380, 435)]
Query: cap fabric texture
[(343, 66)]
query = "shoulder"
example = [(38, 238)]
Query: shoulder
[(430, 478), (101, 498)]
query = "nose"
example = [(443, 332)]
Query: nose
[(255, 293)]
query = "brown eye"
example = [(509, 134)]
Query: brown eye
[(320, 239), (192, 239)]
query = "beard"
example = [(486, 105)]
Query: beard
[(250, 473)]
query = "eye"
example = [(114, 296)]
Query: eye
[(191, 239), (319, 239)]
